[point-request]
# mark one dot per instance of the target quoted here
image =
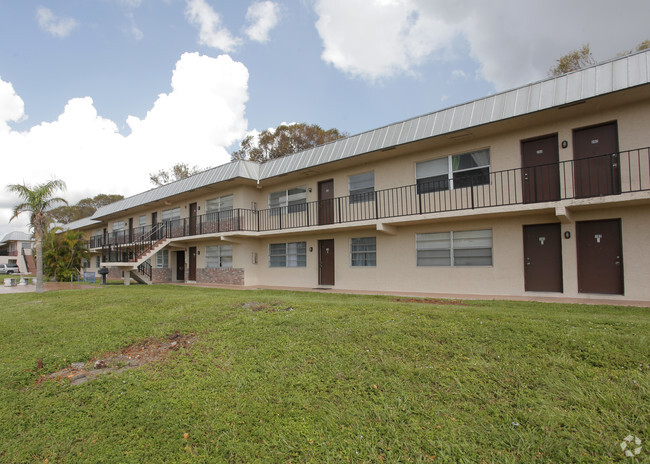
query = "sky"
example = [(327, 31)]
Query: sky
[(100, 93)]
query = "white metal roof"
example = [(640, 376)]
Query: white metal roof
[(611, 76)]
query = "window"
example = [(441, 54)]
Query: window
[(288, 254), (291, 201), (162, 259), (361, 187), (363, 251), (97, 262), (171, 214), (464, 248), (25, 246), (218, 256), (219, 204), (118, 225), (456, 171), (143, 220)]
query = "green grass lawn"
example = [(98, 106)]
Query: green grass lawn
[(306, 377)]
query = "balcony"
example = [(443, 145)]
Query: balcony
[(600, 176)]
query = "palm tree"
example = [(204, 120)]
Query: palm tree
[(38, 201)]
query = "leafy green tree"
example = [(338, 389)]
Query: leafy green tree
[(37, 201), (84, 208), (284, 140), (63, 253), (177, 172), (573, 61)]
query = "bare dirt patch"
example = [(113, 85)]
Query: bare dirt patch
[(131, 357), (436, 301)]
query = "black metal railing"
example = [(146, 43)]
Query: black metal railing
[(604, 175), (145, 269)]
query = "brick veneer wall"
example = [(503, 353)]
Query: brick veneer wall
[(228, 276), (114, 273), (159, 275)]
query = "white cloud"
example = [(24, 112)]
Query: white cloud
[(55, 25), (202, 115), (458, 73), (513, 42), (262, 16), (12, 107), (211, 32), (373, 39)]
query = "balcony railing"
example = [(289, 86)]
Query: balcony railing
[(605, 175)]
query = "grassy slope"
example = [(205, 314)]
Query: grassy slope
[(336, 378)]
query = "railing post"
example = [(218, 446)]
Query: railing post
[(339, 213), (376, 205)]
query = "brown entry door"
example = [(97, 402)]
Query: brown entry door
[(600, 257), (192, 218), (192, 271), (596, 163), (326, 262), (540, 177), (180, 265), (543, 258), (326, 202)]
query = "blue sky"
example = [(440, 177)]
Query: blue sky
[(100, 93)]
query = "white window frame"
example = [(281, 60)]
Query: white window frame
[(361, 187), (293, 200), (444, 176), (119, 225), (363, 252), (219, 204), (162, 259), (290, 254), (456, 248), (142, 221), (172, 214), (218, 256)]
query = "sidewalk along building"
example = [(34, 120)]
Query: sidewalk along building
[(16, 248), (541, 190)]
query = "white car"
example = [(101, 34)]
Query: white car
[(9, 269)]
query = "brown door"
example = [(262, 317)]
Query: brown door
[(192, 271), (543, 258), (600, 256), (154, 228), (326, 202), (596, 164), (540, 176), (326, 262), (180, 265), (192, 218), (130, 230)]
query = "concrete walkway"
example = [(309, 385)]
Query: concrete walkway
[(48, 286), (597, 300)]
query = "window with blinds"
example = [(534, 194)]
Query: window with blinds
[(462, 248), (218, 256), (293, 254), (452, 172), (363, 251), (361, 187), (288, 201)]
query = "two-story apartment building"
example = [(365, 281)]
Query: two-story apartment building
[(16, 248), (541, 190)]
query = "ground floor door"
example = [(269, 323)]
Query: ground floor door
[(192, 271), (541, 175), (600, 256), (543, 258), (180, 265), (326, 262)]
